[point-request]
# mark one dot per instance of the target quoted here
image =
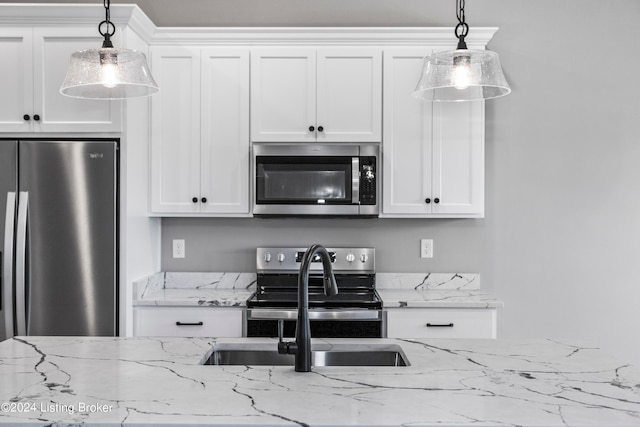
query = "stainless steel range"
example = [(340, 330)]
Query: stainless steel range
[(355, 312)]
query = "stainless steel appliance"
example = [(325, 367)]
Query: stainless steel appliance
[(355, 312), (302, 179), (59, 228)]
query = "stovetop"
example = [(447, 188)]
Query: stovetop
[(277, 279)]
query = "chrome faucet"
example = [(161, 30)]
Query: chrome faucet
[(302, 345)]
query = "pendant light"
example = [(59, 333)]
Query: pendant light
[(108, 73), (462, 74)]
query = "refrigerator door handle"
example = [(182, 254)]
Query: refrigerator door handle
[(21, 264), (7, 262)]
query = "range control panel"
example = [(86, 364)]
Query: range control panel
[(288, 259)]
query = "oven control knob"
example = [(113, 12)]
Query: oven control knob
[(364, 258), (267, 257), (280, 257), (351, 257)]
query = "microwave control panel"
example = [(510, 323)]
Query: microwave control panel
[(368, 180)]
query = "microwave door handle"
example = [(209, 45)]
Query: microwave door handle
[(355, 180), (21, 264), (7, 273)]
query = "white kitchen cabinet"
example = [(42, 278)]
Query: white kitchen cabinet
[(200, 131), (441, 323), (433, 153), (187, 322), (35, 63), (307, 94)]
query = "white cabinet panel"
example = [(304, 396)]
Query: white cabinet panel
[(35, 64), (433, 153), (307, 94), (441, 323), (200, 131), (225, 130), (283, 93), (187, 322)]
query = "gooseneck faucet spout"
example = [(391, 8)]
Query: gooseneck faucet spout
[(302, 346)]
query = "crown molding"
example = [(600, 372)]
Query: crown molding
[(131, 16), (300, 36)]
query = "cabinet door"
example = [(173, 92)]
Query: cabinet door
[(458, 150), (283, 94), (16, 79), (349, 94), (175, 131), (407, 141), (225, 130), (52, 49), (187, 322), (441, 323)]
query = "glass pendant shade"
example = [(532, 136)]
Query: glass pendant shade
[(461, 75), (108, 73)]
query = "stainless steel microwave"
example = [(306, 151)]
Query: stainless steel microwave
[(301, 179)]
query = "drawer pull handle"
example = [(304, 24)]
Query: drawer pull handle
[(189, 324), (439, 325)]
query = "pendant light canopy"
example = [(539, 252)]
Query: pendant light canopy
[(462, 74), (108, 73)]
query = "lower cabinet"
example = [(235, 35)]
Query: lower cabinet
[(218, 322), (441, 323)]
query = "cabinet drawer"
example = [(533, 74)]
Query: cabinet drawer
[(441, 323), (187, 322)]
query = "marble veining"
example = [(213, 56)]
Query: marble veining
[(150, 381), (428, 281), (400, 298)]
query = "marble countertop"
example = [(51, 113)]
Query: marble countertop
[(397, 290), (158, 381)]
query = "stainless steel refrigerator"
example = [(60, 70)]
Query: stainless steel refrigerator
[(60, 237)]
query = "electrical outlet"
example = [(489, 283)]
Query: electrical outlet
[(178, 248), (426, 248)]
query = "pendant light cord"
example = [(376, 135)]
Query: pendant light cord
[(462, 29), (110, 28)]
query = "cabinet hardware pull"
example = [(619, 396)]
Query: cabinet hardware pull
[(427, 200), (439, 325), (320, 128), (204, 200), (26, 117), (194, 200), (36, 117), (311, 128), (189, 324), (436, 200)]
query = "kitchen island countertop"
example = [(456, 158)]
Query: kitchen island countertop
[(159, 381)]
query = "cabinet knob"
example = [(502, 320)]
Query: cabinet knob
[(36, 117), (311, 128), (427, 200), (26, 117), (203, 200), (436, 200), (194, 200), (320, 128)]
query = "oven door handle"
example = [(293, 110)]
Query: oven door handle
[(275, 314), (355, 180)]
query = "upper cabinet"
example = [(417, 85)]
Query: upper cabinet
[(433, 153), (200, 131), (306, 94), (35, 62)]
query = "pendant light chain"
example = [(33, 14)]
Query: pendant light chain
[(462, 29), (110, 28)]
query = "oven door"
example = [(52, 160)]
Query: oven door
[(354, 323), (306, 180)]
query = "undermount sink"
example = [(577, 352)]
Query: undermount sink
[(334, 355)]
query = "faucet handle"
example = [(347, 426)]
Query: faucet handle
[(285, 347)]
